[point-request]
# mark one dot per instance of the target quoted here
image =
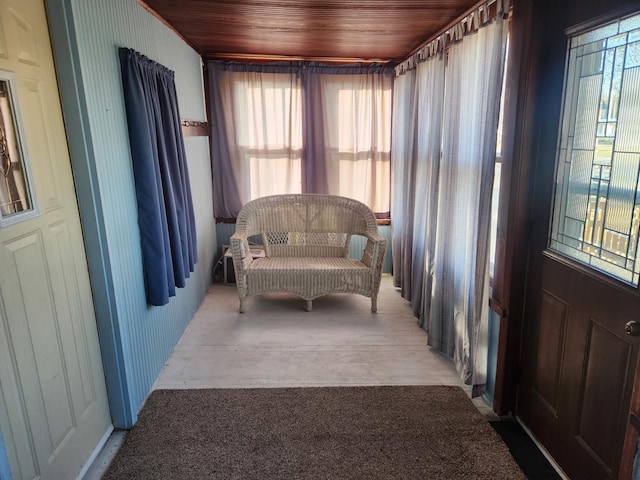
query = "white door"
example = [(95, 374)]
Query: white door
[(53, 401)]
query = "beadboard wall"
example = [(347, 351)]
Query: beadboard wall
[(5, 468), (143, 336)]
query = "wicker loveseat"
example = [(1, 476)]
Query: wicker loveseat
[(306, 240)]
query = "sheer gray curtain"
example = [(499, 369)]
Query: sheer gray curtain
[(402, 180), (444, 170), (457, 315), (418, 98), (429, 122)]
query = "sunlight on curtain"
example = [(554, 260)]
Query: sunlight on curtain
[(356, 136), (268, 110)]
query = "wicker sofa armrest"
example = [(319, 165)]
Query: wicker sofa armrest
[(240, 252), (373, 254)]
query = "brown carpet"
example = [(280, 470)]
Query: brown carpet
[(415, 432)]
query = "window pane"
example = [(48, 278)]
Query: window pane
[(15, 196), (269, 109), (495, 203), (597, 203), (357, 137)]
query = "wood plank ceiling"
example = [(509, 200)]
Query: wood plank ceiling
[(331, 30)]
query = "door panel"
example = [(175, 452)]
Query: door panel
[(54, 409), (31, 318), (578, 371), (552, 329), (604, 382)]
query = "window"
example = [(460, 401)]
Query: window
[(300, 130), (271, 140), (497, 174), (357, 138), (17, 200), (597, 201)]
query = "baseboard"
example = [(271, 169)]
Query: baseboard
[(543, 450)]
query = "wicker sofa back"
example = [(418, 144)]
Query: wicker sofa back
[(306, 240)]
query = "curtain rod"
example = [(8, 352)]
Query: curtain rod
[(479, 15), (452, 24), (258, 58)]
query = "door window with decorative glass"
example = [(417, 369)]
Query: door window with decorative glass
[(596, 213)]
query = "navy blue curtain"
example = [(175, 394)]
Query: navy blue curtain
[(163, 192)]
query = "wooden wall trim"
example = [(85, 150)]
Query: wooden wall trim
[(515, 191), (194, 128), (497, 307)]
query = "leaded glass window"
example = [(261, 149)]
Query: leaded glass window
[(17, 199), (597, 202)]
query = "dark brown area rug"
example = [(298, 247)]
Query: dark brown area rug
[(412, 432)]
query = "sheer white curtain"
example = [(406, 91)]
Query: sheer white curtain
[(257, 136), (267, 113), (456, 315), (351, 133)]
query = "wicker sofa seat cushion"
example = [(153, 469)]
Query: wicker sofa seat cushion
[(305, 265)]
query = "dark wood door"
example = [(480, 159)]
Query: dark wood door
[(578, 363), (578, 370)]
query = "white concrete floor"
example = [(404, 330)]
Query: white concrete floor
[(276, 343)]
